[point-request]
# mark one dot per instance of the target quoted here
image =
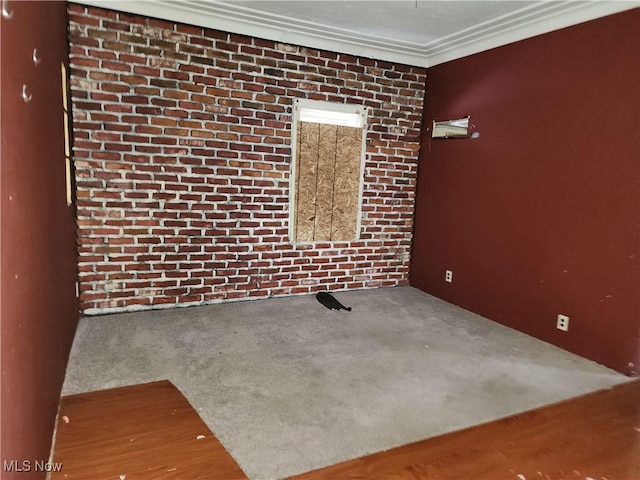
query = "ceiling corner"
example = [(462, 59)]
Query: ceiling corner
[(544, 17)]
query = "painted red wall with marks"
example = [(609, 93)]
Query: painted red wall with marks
[(38, 256), (539, 215)]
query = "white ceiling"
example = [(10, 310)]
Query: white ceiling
[(415, 32)]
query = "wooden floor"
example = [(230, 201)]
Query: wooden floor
[(150, 432), (596, 437), (140, 432)]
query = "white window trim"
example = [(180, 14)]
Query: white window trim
[(313, 106)]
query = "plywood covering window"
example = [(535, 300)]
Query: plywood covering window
[(327, 171)]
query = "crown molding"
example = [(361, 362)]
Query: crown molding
[(523, 23)]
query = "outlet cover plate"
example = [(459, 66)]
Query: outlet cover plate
[(563, 323)]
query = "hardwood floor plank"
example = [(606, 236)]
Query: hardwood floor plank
[(595, 436), (137, 433), (151, 432)]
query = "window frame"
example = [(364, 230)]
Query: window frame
[(298, 107)]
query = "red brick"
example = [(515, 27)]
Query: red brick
[(215, 150)]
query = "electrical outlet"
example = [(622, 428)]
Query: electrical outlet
[(563, 323), (448, 276)]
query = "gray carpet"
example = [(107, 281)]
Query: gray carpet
[(289, 386)]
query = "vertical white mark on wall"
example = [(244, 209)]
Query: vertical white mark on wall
[(67, 139), (64, 86), (66, 134), (67, 162)]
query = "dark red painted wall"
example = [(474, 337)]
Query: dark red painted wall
[(37, 239), (540, 215)]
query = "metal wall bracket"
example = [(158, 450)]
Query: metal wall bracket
[(26, 96), (6, 14)]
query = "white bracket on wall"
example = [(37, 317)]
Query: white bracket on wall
[(26, 96), (6, 14)]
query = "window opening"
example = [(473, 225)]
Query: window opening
[(327, 169)]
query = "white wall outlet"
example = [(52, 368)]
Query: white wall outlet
[(563, 323), (448, 276)]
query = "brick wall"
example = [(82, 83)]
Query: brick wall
[(182, 157)]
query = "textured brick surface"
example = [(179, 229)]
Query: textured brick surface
[(182, 157)]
